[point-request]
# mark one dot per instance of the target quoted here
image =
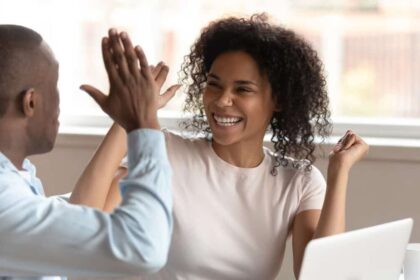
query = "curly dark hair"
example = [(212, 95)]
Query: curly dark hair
[(293, 69)]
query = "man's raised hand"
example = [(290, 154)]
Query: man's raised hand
[(133, 98)]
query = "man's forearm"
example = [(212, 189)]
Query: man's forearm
[(41, 236)]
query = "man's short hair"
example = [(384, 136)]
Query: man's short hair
[(18, 48)]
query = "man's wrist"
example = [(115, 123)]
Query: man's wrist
[(150, 124), (144, 142)]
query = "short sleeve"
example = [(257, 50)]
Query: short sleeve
[(175, 144), (312, 190), (62, 197), (124, 162)]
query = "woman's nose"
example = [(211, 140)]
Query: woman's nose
[(225, 99)]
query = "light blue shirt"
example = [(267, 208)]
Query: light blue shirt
[(48, 236)]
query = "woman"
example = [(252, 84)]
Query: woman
[(236, 202)]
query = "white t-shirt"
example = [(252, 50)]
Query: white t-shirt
[(231, 222)]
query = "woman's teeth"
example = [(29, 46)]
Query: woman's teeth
[(223, 121)]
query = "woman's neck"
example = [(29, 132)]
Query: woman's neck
[(240, 154)]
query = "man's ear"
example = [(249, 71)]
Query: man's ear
[(28, 102)]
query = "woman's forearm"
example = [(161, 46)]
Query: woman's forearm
[(93, 185), (332, 219), (333, 214), (113, 198), (349, 150)]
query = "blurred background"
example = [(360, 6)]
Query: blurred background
[(370, 48), (371, 54)]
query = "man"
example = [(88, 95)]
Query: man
[(47, 236)]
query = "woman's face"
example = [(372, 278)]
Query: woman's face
[(237, 100)]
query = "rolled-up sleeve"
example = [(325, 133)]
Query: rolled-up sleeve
[(44, 236)]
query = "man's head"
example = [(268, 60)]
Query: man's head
[(28, 87)]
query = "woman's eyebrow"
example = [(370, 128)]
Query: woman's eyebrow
[(245, 82), (214, 76), (240, 82)]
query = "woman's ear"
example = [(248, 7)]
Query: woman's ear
[(277, 106), (28, 102)]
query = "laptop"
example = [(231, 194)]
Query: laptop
[(373, 253)]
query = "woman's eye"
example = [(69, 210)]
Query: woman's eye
[(244, 90), (213, 84)]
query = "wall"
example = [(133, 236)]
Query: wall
[(383, 187)]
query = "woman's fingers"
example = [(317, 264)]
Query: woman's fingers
[(168, 95), (161, 76), (155, 70), (144, 65), (349, 141), (345, 142)]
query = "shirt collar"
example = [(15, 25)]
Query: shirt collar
[(33, 181), (5, 163)]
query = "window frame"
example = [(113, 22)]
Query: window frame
[(392, 129)]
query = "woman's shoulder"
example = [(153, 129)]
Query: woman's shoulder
[(184, 136), (290, 165), (179, 139)]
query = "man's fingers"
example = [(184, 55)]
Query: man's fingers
[(108, 61), (118, 53), (144, 65), (168, 94), (130, 55), (96, 94)]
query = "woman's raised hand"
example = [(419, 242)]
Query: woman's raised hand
[(350, 149)]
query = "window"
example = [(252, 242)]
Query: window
[(370, 49)]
